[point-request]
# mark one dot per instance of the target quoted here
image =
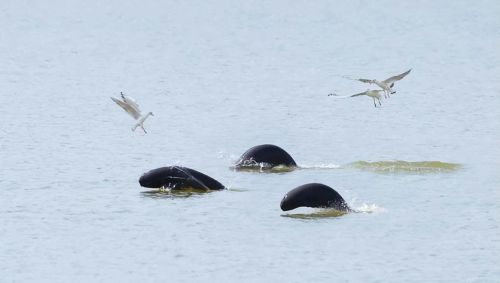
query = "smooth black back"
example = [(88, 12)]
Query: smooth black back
[(266, 153), (313, 195)]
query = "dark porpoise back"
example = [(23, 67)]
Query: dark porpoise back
[(313, 195), (266, 154), (177, 177)]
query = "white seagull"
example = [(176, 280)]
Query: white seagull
[(132, 108), (386, 84), (374, 94)]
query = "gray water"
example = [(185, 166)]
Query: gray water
[(221, 77)]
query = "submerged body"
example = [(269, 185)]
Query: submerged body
[(178, 178), (314, 195), (265, 156)]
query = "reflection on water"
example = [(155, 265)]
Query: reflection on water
[(394, 166), (324, 213), (169, 193), (328, 212), (183, 193)]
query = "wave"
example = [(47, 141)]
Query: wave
[(395, 166)]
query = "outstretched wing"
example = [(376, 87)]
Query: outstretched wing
[(130, 101), (133, 111), (366, 81), (391, 80)]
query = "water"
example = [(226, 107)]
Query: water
[(221, 77)]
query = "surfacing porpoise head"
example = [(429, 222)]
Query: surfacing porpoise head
[(177, 177), (157, 178)]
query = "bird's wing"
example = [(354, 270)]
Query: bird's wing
[(359, 94), (128, 108), (366, 81), (397, 77), (129, 100)]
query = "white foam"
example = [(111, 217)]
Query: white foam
[(369, 208), (320, 166)]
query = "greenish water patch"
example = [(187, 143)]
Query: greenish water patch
[(325, 213), (397, 166), (237, 190)]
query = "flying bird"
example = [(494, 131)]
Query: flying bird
[(386, 84), (131, 107), (374, 94)]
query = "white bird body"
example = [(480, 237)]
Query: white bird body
[(141, 122), (387, 84), (131, 107)]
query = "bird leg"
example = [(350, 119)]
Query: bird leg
[(142, 127), (374, 103)]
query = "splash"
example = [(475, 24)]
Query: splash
[(396, 166), (263, 168), (369, 208), (320, 166)]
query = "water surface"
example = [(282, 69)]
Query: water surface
[(221, 77)]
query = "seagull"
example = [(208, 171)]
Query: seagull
[(387, 84), (131, 107), (375, 94)]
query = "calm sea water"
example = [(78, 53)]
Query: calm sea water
[(222, 76)]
